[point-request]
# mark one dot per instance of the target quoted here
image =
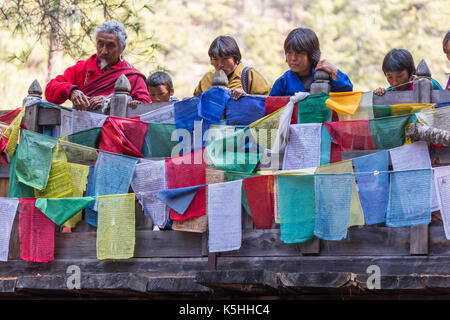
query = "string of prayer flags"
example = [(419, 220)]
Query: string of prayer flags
[(398, 109), (259, 195), (304, 145), (409, 198), (89, 137), (373, 185), (313, 109), (348, 136), (245, 110), (59, 183), (442, 182), (333, 195), (79, 174), (12, 133), (179, 199), (123, 136), (34, 159), (83, 120), (296, 207), (212, 103), (116, 227), (8, 209), (149, 178), (36, 233), (344, 102), (225, 216), (61, 210), (185, 171)]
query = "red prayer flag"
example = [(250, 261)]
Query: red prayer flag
[(186, 171), (10, 116), (272, 104), (347, 136), (123, 136), (36, 233), (260, 199)]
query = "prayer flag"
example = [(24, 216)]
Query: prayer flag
[(259, 194), (8, 209)]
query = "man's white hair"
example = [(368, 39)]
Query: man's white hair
[(113, 27)]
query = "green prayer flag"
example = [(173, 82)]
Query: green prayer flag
[(380, 111), (389, 132), (296, 203), (34, 159), (62, 209), (89, 137), (160, 139), (17, 189), (313, 109)]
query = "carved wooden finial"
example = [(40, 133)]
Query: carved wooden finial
[(35, 89), (422, 69), (122, 85), (220, 79), (321, 75)]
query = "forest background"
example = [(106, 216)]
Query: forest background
[(174, 36)]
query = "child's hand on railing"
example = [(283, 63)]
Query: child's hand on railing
[(379, 91)]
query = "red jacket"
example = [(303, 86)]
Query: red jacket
[(85, 72)]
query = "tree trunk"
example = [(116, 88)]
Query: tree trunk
[(55, 51)]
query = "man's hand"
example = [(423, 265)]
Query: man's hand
[(237, 93), (79, 99), (379, 91), (96, 102), (133, 103), (328, 68)]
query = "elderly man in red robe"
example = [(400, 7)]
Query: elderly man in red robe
[(90, 81)]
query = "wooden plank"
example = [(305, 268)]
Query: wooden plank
[(78, 245), (395, 97), (4, 186), (310, 247), (4, 172), (14, 243), (49, 116), (419, 240), (30, 118), (438, 96)]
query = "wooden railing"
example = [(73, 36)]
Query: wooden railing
[(256, 244)]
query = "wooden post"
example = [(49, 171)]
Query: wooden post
[(121, 97), (321, 84), (30, 103), (423, 87)]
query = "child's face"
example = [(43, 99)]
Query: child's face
[(227, 64), (298, 62), (159, 93), (396, 78)]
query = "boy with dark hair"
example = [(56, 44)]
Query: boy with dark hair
[(302, 51), (224, 54), (160, 87), (399, 69)]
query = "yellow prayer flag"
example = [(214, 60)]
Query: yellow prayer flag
[(59, 183), (344, 102), (265, 130), (116, 226), (405, 108), (12, 133), (79, 174)]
